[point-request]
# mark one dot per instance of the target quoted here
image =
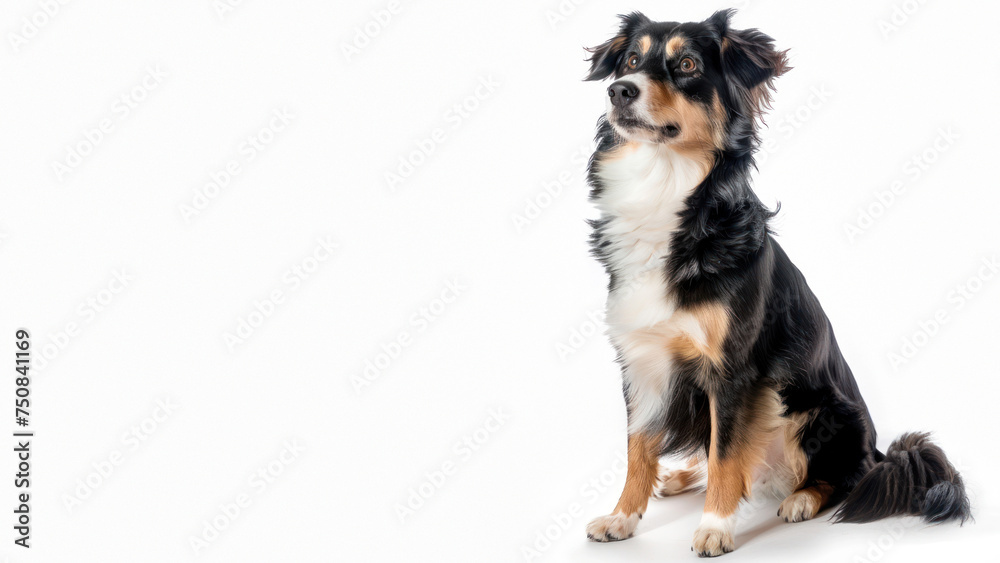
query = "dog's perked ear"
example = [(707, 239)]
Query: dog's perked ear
[(604, 58), (750, 60)]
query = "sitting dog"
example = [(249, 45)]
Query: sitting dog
[(727, 357)]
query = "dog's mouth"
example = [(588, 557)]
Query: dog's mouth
[(631, 124), (670, 131)]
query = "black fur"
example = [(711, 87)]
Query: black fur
[(779, 338), (915, 478)]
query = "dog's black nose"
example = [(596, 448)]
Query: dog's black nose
[(623, 93)]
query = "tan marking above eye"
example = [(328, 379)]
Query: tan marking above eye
[(688, 64), (675, 45), (645, 43)]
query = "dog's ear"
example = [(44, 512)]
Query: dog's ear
[(604, 58), (750, 59)]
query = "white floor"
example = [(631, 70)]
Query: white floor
[(666, 530)]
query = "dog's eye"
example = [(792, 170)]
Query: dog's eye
[(633, 61), (688, 65)]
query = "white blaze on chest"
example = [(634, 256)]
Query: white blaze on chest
[(644, 188)]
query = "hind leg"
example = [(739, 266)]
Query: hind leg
[(676, 481), (831, 440), (805, 503)]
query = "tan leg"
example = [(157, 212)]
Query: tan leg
[(730, 470), (805, 503), (643, 464), (729, 480)]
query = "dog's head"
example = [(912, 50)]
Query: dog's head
[(685, 84)]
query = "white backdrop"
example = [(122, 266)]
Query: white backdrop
[(309, 281)]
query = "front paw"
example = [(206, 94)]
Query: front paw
[(613, 527), (712, 542)]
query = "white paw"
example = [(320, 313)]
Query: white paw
[(798, 506), (613, 527), (712, 542), (675, 481)]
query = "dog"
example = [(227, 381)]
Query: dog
[(727, 358)]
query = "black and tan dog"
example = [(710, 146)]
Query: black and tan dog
[(727, 357)]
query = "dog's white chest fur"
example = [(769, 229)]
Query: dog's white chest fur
[(644, 189)]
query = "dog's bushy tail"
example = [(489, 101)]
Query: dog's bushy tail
[(915, 478)]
